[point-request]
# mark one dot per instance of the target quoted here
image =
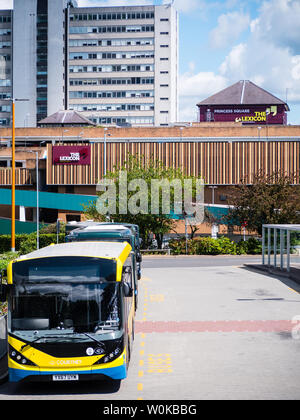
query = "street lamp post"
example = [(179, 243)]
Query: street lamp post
[(213, 188), (13, 183), (214, 228), (104, 151), (13, 178), (37, 198), (37, 201)]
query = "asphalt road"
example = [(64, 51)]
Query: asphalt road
[(206, 328), (164, 261)]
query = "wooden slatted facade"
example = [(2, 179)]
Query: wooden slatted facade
[(23, 176), (219, 162)]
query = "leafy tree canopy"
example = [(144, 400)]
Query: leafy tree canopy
[(271, 199)]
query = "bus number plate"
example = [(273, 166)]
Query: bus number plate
[(65, 377)]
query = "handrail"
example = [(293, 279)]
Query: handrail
[(167, 250), (23, 176)]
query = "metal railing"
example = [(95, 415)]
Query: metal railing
[(271, 245), (166, 250), (23, 176)]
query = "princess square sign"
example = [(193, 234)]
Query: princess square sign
[(71, 155)]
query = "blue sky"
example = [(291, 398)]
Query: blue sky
[(223, 41)]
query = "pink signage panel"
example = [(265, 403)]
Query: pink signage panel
[(71, 155)]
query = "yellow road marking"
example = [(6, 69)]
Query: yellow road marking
[(144, 278), (157, 298)]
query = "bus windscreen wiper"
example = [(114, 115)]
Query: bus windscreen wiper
[(91, 337), (37, 339)]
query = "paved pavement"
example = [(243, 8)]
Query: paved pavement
[(202, 332)]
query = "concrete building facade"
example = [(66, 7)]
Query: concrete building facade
[(223, 154), (115, 65), (5, 66), (38, 59), (123, 64)]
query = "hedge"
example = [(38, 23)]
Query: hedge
[(210, 246), (27, 242)]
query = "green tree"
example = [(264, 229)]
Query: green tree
[(136, 205), (271, 199)]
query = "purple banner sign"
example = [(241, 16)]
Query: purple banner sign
[(71, 155), (245, 114)]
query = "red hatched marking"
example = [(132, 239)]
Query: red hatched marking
[(213, 326)]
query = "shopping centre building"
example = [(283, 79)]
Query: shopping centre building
[(71, 160), (244, 102)]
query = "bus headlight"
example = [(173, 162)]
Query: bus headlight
[(109, 357), (19, 358)]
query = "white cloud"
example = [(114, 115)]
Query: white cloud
[(278, 24), (186, 6), (233, 65), (272, 67), (109, 3), (230, 26), (6, 4), (201, 84), (269, 57), (194, 87)]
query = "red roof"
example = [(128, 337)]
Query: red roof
[(66, 118), (243, 92)]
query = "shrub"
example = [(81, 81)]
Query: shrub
[(253, 246), (4, 260), (29, 244), (211, 246)]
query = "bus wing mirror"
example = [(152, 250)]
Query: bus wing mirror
[(3, 286), (140, 240), (3, 292), (127, 290), (127, 269), (139, 257)]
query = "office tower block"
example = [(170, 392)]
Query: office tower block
[(123, 64), (38, 58), (115, 65), (5, 66)]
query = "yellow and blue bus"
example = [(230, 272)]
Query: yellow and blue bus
[(112, 232), (70, 312)]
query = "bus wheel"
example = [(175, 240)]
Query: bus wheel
[(132, 333)]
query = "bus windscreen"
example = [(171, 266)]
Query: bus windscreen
[(64, 270)]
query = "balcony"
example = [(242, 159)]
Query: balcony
[(23, 176)]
